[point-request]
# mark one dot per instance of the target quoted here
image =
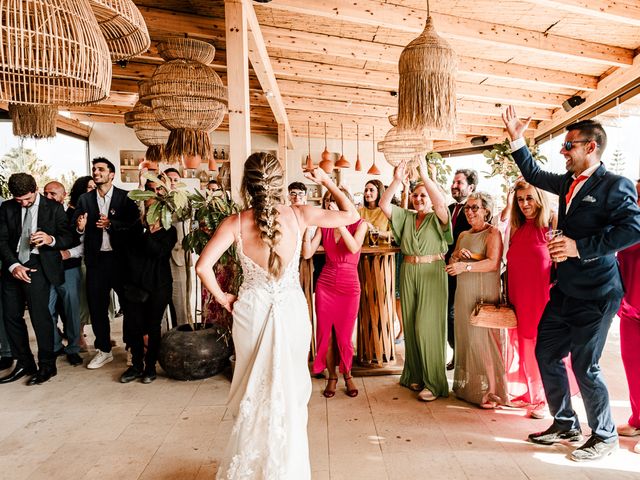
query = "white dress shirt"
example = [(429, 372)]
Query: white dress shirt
[(104, 204)]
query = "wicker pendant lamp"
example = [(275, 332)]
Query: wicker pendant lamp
[(358, 163), (148, 131), (373, 170), (51, 53), (399, 145), (326, 163), (122, 26), (309, 166), (342, 162), (187, 97), (427, 86)]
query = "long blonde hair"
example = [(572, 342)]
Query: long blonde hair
[(543, 215), (262, 189)]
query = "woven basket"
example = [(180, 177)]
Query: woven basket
[(399, 146), (493, 315), (123, 27), (148, 130), (174, 48), (427, 83)]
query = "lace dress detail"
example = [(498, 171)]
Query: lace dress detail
[(271, 384)]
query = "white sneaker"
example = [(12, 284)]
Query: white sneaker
[(100, 359), (426, 395)]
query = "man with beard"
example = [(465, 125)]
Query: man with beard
[(105, 216), (464, 184)]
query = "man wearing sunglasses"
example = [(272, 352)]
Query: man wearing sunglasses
[(599, 215)]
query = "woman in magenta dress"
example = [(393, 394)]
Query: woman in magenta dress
[(337, 298), (629, 260)]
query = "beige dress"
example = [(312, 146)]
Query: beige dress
[(479, 375)]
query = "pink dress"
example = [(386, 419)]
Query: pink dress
[(337, 300), (529, 274), (629, 260)]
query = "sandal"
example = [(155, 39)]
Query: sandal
[(330, 392), (353, 392)]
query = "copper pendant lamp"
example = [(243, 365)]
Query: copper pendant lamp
[(373, 170), (326, 163), (309, 166), (358, 163), (342, 162)]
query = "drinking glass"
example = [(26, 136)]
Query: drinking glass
[(550, 235), (374, 235)]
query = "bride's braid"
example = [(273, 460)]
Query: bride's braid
[(262, 189)]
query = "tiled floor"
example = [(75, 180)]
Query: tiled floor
[(85, 425)]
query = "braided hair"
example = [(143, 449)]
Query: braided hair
[(262, 189)]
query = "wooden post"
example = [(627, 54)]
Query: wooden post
[(238, 87)]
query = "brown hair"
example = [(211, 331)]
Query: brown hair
[(327, 196), (262, 189), (379, 185), (544, 212)]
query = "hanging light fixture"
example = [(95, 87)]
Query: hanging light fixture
[(326, 163), (373, 170), (148, 131), (399, 145), (309, 165), (342, 162), (358, 163), (427, 85)]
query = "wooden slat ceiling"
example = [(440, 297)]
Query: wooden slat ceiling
[(336, 61)]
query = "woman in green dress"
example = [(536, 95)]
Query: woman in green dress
[(423, 235)]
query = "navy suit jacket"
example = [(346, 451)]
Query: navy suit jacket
[(603, 218), (51, 220), (462, 224), (123, 213)]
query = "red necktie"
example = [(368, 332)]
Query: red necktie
[(573, 186), (454, 215)]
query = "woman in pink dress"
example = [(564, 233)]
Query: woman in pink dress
[(629, 260), (337, 298)]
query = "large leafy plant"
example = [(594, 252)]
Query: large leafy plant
[(442, 169)]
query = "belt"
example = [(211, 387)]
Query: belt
[(423, 258)]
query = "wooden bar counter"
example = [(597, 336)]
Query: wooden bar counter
[(375, 347)]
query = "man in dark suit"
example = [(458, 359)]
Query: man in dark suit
[(33, 230), (105, 216), (464, 184), (598, 216)]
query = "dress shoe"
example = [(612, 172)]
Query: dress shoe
[(426, 395), (451, 365), (627, 430), (130, 374), (554, 434), (149, 375), (42, 375), (6, 362), (74, 359), (593, 449), (59, 353), (18, 373)]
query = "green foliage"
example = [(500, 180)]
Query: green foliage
[(501, 161), (20, 159), (443, 170), (618, 162)]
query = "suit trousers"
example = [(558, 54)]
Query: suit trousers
[(451, 300), (580, 327), (5, 349), (145, 318), (14, 295), (103, 275), (69, 294)]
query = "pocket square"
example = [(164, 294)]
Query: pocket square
[(589, 199)]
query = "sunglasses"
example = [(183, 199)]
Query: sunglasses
[(569, 145), (473, 208)]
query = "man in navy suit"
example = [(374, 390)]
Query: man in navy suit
[(33, 230), (105, 216), (598, 215)]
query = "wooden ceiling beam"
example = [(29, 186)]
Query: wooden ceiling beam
[(162, 22), (261, 64), (607, 10), (382, 14)]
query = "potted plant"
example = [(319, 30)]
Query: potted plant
[(200, 348)]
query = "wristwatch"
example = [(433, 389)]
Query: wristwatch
[(468, 267)]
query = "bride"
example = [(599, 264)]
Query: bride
[(271, 329)]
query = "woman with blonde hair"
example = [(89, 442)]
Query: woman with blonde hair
[(271, 328)]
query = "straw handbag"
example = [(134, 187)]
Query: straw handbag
[(494, 315)]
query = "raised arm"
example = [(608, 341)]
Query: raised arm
[(435, 195), (354, 242), (221, 240), (387, 196), (310, 244)]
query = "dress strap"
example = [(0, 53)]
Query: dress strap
[(295, 214)]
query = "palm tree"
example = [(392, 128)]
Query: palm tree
[(25, 160)]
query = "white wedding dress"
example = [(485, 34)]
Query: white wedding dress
[(271, 385)]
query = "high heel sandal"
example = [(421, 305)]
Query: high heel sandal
[(328, 392), (350, 392)]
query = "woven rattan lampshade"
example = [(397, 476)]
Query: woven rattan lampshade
[(399, 145), (148, 130), (427, 86), (187, 97), (122, 26), (51, 53)]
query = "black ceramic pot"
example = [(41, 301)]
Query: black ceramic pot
[(187, 354)]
